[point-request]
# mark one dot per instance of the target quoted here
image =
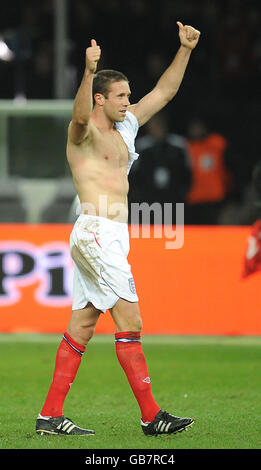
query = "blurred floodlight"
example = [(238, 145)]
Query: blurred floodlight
[(5, 53)]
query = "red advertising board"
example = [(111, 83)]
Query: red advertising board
[(194, 290)]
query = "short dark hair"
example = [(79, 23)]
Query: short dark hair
[(103, 79)]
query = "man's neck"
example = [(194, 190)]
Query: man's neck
[(101, 121)]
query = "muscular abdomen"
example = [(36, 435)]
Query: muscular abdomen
[(102, 189)]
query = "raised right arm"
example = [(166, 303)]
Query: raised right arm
[(83, 103)]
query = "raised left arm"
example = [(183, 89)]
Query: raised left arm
[(170, 81)]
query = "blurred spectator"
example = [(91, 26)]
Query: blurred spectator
[(162, 173), (59, 210), (247, 211), (40, 80), (12, 208), (212, 179)]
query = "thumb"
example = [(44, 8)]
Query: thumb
[(180, 25), (93, 42)]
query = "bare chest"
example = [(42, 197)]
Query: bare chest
[(113, 149)]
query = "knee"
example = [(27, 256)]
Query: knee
[(133, 323), (138, 324), (82, 324), (80, 332), (126, 316), (134, 319)]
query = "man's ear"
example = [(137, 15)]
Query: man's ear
[(99, 99)]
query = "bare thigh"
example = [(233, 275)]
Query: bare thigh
[(82, 324), (126, 316)]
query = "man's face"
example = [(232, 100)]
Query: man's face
[(117, 101)]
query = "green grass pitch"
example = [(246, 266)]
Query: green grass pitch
[(216, 380)]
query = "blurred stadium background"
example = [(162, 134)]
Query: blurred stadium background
[(204, 151), (42, 51)]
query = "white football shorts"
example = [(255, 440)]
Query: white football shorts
[(102, 274)]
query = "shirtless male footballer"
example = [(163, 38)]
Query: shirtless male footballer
[(100, 151)]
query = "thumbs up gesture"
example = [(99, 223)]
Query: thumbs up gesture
[(93, 54), (188, 35)]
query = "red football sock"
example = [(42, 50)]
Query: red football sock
[(133, 362), (68, 359)]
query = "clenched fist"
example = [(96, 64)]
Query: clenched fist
[(93, 54), (188, 35)]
